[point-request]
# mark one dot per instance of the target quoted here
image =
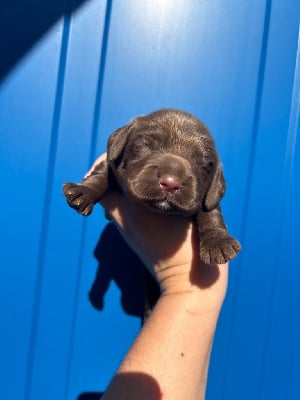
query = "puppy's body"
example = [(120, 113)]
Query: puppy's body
[(167, 160)]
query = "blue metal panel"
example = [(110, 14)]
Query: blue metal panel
[(256, 283), (284, 327), (26, 110), (231, 63), (62, 265)]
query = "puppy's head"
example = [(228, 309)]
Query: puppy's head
[(167, 160)]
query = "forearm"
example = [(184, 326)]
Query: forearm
[(169, 358)]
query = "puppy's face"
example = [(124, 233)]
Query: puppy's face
[(168, 161)]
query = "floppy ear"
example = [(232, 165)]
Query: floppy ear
[(216, 190), (117, 142)]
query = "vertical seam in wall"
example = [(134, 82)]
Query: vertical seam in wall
[(94, 137), (257, 114), (286, 194), (101, 76), (46, 209), (249, 180), (75, 309)]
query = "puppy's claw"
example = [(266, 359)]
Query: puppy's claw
[(79, 197), (217, 247), (88, 210)]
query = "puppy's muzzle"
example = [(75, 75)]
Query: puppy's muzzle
[(165, 183)]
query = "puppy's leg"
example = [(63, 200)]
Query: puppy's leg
[(216, 245), (83, 195)]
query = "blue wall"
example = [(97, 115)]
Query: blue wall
[(71, 73)]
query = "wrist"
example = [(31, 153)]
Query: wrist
[(202, 290)]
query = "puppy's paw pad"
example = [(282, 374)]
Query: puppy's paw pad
[(218, 248), (79, 197)]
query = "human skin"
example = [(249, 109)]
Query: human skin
[(170, 356)]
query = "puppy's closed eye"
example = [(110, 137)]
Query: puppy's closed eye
[(145, 142), (209, 166)]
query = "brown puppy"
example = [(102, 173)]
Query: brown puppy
[(168, 161)]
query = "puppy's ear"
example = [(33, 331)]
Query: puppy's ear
[(216, 189), (117, 142)]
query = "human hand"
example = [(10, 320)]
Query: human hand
[(169, 247)]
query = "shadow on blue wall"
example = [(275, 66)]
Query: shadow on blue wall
[(133, 380), (24, 22), (90, 396), (118, 263)]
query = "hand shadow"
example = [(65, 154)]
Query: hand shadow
[(118, 263), (90, 396), (139, 384)]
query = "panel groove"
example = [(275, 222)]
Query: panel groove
[(256, 116), (75, 308), (47, 206), (94, 137), (286, 187), (249, 178), (103, 56)]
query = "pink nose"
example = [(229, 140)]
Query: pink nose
[(169, 183)]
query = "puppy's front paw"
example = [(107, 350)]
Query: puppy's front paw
[(79, 197), (218, 247)]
